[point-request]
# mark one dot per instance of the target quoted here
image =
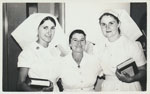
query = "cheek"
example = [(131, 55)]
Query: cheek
[(103, 29), (71, 44), (53, 34), (83, 45), (41, 32), (114, 27)]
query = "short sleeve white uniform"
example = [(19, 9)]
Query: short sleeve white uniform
[(81, 78), (42, 62), (115, 53)]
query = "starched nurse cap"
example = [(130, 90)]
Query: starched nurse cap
[(127, 25), (27, 31)]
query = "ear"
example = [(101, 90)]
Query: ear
[(70, 46), (37, 35)]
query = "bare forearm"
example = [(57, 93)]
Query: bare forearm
[(139, 76), (25, 87)]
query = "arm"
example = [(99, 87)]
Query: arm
[(99, 81), (128, 79), (141, 74), (63, 51), (22, 85), (136, 51)]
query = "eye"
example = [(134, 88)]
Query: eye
[(45, 27), (111, 23), (53, 28), (82, 40), (103, 24), (74, 40)]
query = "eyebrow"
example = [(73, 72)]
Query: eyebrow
[(104, 23), (80, 39), (48, 26), (112, 21)]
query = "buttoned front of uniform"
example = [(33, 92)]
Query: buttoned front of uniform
[(76, 78), (42, 62), (115, 53)]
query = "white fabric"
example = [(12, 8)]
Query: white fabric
[(26, 32), (83, 78), (42, 62), (127, 27), (115, 53)]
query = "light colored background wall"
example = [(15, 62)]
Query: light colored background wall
[(85, 16)]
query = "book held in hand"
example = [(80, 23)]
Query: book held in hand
[(39, 82), (129, 66)]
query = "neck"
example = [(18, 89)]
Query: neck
[(114, 38), (44, 44), (77, 57)]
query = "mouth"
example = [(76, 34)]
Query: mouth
[(48, 36), (108, 31), (79, 47)]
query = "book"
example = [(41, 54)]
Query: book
[(129, 66), (39, 82)]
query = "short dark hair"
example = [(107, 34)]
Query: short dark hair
[(79, 31), (48, 18)]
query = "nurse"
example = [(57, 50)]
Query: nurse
[(40, 36), (79, 69), (120, 46)]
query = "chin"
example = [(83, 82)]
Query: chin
[(108, 36), (48, 40), (80, 51)]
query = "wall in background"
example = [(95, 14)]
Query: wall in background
[(13, 15), (85, 15)]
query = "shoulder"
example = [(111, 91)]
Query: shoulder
[(28, 50), (129, 43), (133, 47), (66, 59), (126, 40), (90, 57)]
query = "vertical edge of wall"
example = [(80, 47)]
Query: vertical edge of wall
[(5, 46), (139, 15), (16, 13)]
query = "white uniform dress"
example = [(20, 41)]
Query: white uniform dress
[(81, 78), (41, 62), (115, 53)]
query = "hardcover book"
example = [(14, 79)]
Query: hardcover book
[(129, 66), (39, 83)]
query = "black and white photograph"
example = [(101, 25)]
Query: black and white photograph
[(74, 46)]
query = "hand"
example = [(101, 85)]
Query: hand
[(63, 51), (89, 47), (49, 88), (124, 77)]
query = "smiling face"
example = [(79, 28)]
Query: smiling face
[(109, 26), (77, 43), (46, 32)]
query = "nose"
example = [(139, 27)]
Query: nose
[(107, 27), (79, 43), (49, 32)]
